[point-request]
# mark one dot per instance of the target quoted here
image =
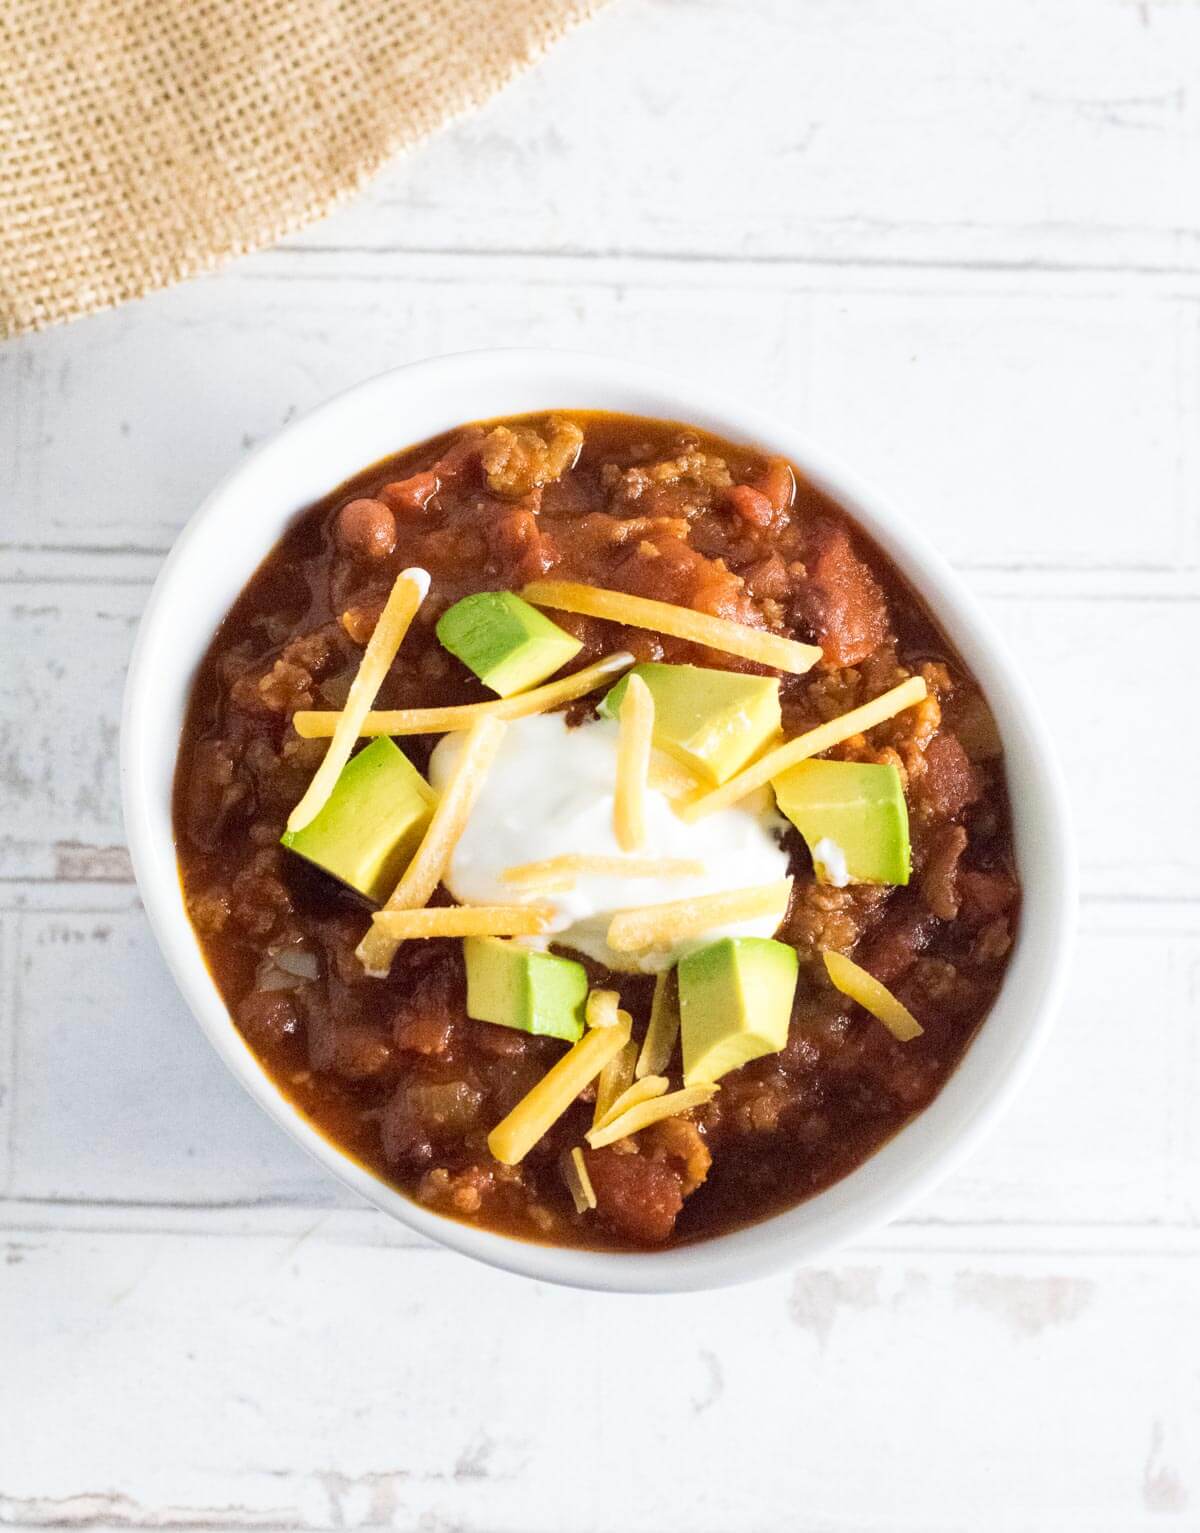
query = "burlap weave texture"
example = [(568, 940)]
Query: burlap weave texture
[(142, 141)]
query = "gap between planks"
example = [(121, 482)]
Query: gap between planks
[(272, 1219)]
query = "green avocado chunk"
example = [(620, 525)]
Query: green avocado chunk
[(509, 645), (372, 822), (735, 1004), (533, 992), (712, 721), (853, 817)]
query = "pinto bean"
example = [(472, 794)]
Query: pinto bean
[(366, 529)]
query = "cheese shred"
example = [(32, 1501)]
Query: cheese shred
[(636, 723), (872, 996), (514, 1136), (463, 921), (645, 1090), (603, 1008), (562, 872), (718, 633), (645, 1113), (617, 1075), (313, 724), (661, 926), (823, 738), (579, 1183), (449, 819), (663, 1031), (409, 591)]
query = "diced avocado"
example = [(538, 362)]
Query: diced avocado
[(533, 992), (507, 643), (712, 721), (372, 822), (735, 1004), (853, 817)]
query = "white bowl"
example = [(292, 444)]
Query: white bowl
[(236, 528)]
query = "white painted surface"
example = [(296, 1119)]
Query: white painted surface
[(962, 245)]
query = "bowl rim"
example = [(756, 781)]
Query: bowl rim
[(1004, 1049)]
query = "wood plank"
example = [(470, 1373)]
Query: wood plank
[(120, 1097), (1019, 422), (59, 712), (1000, 422), (304, 1385), (1021, 133), (161, 1123), (8, 1042)]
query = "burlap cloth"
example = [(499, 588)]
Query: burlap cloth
[(145, 140)]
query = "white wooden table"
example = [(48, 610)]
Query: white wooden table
[(961, 244)]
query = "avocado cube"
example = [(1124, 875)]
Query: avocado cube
[(853, 817), (533, 992), (712, 721), (510, 645), (735, 1004), (372, 822)]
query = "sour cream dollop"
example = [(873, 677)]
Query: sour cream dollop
[(549, 793)]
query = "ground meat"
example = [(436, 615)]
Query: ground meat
[(993, 942), (985, 895), (209, 911), (823, 917), (679, 1141), (519, 461), (939, 878), (355, 1051), (260, 900), (214, 791), (359, 622), (948, 783), (287, 685), (430, 1013), (639, 1198), (892, 949), (459, 1192)]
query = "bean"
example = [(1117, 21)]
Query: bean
[(366, 529)]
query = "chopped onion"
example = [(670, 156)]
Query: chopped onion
[(298, 961), (271, 978)]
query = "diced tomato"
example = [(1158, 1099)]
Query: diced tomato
[(638, 1197), (847, 609)]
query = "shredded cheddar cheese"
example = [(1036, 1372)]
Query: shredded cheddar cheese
[(603, 1008), (463, 921), (874, 997), (822, 738), (645, 1090), (407, 593), (680, 622), (645, 1113), (660, 926), (617, 1074), (579, 1183), (514, 1136), (424, 872), (659, 1042), (312, 724), (563, 872), (636, 724)]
